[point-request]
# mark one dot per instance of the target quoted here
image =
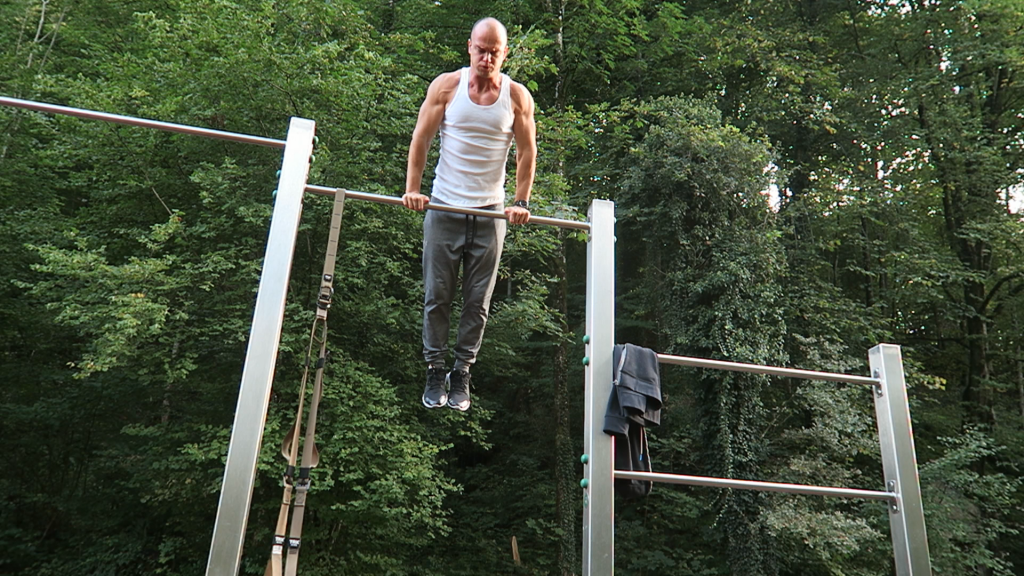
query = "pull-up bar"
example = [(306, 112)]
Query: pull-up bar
[(261, 141), (395, 201), (709, 482), (771, 370), (133, 121)]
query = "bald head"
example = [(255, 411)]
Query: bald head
[(490, 29), (488, 46)]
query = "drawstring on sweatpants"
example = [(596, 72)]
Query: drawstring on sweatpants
[(470, 235)]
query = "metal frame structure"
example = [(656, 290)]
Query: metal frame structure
[(268, 315), (899, 461), (895, 434), (598, 447), (261, 355)]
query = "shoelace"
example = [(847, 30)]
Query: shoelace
[(460, 384), (437, 379)]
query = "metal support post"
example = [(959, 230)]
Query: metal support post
[(599, 465), (261, 356), (899, 462)]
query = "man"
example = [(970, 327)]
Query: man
[(479, 111)]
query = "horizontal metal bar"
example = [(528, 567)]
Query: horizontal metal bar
[(396, 201), (758, 369), (754, 485), (132, 121)]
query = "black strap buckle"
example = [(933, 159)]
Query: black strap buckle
[(323, 301)]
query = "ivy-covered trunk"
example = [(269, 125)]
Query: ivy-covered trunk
[(566, 517)]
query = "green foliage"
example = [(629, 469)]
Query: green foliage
[(692, 185), (963, 508), (129, 260)]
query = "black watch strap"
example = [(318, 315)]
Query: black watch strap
[(522, 204)]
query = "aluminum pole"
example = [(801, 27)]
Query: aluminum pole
[(758, 369), (141, 122), (899, 462), (710, 482), (261, 356), (397, 201), (598, 448)]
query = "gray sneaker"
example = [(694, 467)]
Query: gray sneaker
[(458, 395), (435, 394)]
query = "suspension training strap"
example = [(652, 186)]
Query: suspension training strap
[(290, 451), (276, 566)]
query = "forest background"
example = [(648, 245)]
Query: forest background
[(796, 181)]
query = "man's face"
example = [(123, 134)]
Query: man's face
[(487, 51)]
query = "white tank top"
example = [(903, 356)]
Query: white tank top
[(475, 141)]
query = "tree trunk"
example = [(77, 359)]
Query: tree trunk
[(565, 464), (1020, 382), (866, 263), (964, 205), (566, 517), (977, 392), (1020, 371)]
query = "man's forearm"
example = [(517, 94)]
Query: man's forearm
[(417, 162), (526, 167)]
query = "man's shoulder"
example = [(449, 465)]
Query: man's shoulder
[(517, 89), (520, 95), (447, 80), (442, 88)]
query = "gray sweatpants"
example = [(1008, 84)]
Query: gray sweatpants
[(448, 240)]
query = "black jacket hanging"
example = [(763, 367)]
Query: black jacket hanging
[(634, 404)]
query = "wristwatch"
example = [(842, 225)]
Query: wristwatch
[(521, 204)]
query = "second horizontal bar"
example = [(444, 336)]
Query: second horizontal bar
[(755, 485), (397, 201), (758, 369)]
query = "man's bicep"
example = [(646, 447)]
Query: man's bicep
[(524, 127), (432, 110), (429, 119)]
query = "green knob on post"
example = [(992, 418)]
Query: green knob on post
[(278, 173), (586, 339), (584, 458), (584, 483), (586, 360), (312, 158)]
